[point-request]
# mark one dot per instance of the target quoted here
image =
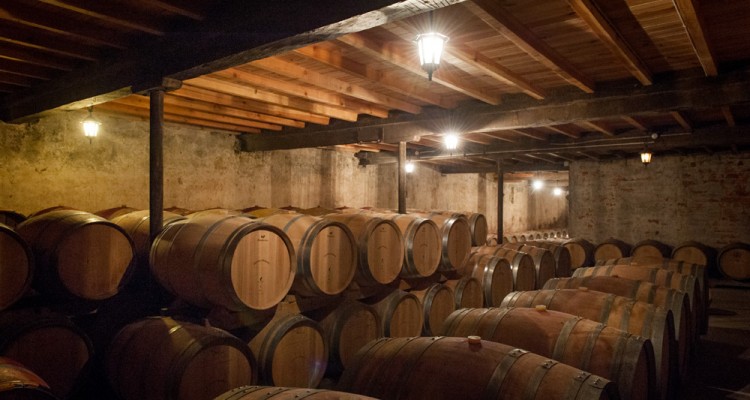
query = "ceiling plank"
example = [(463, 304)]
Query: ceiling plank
[(23, 69), (191, 92), (230, 111), (31, 57), (564, 131), (589, 11), (228, 37), (497, 17), (598, 127), (390, 53), (269, 97), (728, 116), (530, 134), (635, 122), (542, 158), (682, 119), (144, 114), (307, 76), (694, 26), (176, 8), (520, 112), (45, 42), (104, 11), (328, 54)]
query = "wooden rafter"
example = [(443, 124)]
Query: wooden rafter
[(230, 111), (596, 126), (46, 43), (563, 130), (728, 116), (589, 11), (498, 18), (682, 119), (635, 122), (694, 26), (33, 58), (116, 16), (530, 134), (390, 53)]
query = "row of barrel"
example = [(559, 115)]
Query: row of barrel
[(528, 236), (731, 261)]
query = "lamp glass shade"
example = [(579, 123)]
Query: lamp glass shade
[(451, 141), (646, 157), (430, 47), (90, 126), (409, 167)]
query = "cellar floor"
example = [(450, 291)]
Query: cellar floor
[(721, 368)]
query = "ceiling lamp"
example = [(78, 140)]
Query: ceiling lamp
[(430, 46), (537, 184), (409, 167), (451, 141), (646, 156), (91, 125), (557, 191)]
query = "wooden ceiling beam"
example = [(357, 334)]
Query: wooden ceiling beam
[(143, 114), (682, 119), (504, 136), (15, 79), (728, 116), (542, 158), (499, 19), (23, 69), (309, 77), (589, 11), (230, 111), (231, 35), (175, 7), (46, 43), (177, 110), (237, 89), (530, 134), (191, 92), (695, 28), (598, 127), (117, 16), (391, 53), (556, 155), (563, 131), (635, 122), (35, 58), (323, 53)]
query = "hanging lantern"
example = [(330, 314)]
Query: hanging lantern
[(430, 45), (91, 125), (646, 157)]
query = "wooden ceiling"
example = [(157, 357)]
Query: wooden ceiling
[(528, 84)]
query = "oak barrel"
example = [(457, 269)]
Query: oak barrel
[(696, 253), (544, 261), (380, 247), (524, 270), (449, 368), (581, 343), (326, 253), (581, 252), (19, 383), (495, 275), (50, 345), (291, 351), (16, 267), (11, 218), (437, 304), (422, 243), (477, 225), (161, 358), (561, 254), (286, 393), (611, 248), (455, 236), (400, 314), (650, 250), (347, 327), (228, 261), (467, 292), (78, 254), (733, 261), (619, 312), (114, 212)]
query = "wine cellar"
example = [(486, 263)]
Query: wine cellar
[(412, 199)]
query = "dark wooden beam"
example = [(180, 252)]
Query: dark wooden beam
[(506, 168), (518, 112), (235, 35)]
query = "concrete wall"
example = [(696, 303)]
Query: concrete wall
[(675, 199), (50, 163)]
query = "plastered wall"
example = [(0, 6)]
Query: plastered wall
[(49, 163), (676, 198)]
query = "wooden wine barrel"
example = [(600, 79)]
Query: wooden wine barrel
[(455, 236), (326, 253), (262, 212), (650, 250), (561, 254), (213, 211), (467, 292), (695, 253), (348, 326), (78, 254), (228, 261), (477, 225), (400, 314), (380, 247), (137, 225), (179, 210), (50, 209), (662, 277), (50, 345), (161, 358), (619, 312), (291, 351), (422, 243), (524, 271), (16, 267), (495, 275), (285, 393), (11, 218), (19, 383), (581, 343), (437, 304), (734, 261), (676, 301), (581, 252), (611, 248), (405, 368), (544, 261), (111, 213)]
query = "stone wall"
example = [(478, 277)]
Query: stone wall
[(49, 163), (676, 198)]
